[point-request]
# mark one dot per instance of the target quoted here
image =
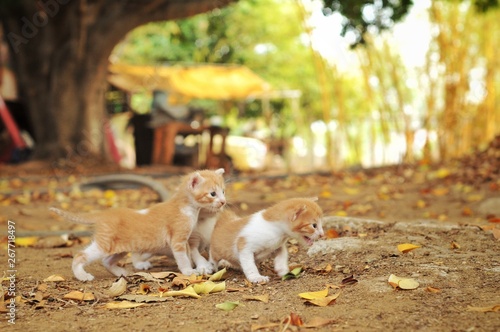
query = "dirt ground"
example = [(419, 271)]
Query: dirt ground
[(451, 212)]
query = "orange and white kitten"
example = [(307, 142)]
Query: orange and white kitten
[(198, 242), (122, 230), (241, 242)]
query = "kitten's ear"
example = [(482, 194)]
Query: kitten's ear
[(195, 180), (298, 212), (220, 171)]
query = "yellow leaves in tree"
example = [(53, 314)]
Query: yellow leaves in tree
[(406, 247)]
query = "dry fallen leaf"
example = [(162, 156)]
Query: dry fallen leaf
[(208, 287), (294, 320), (295, 273), (147, 276), (403, 283), (218, 276), (314, 295), (118, 287), (325, 301), (79, 296), (331, 234), (494, 220), (143, 289), (145, 298), (188, 291), (433, 289), (163, 275), (26, 241), (122, 305), (54, 278), (494, 308), (496, 233), (227, 306), (454, 245), (349, 281), (406, 247), (263, 298)]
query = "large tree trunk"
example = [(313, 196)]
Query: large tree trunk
[(60, 51)]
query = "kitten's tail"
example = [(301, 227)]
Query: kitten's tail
[(73, 217)]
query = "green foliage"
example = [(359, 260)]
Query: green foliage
[(265, 35)]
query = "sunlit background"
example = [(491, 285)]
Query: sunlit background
[(424, 90)]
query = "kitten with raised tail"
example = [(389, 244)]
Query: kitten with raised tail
[(168, 224), (242, 242)]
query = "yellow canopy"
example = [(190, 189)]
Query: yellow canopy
[(202, 82)]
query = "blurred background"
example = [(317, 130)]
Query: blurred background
[(254, 85)]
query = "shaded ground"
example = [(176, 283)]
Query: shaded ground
[(451, 212)]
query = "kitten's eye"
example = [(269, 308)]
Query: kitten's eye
[(213, 194), (314, 225)]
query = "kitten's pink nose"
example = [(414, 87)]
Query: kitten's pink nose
[(222, 203)]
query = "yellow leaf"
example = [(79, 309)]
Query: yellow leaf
[(442, 173), (325, 194), (219, 287), (262, 298), (351, 191), (474, 198), (188, 291), (403, 283), (325, 301), (341, 213), (208, 287), (218, 276), (406, 247), (314, 295), (54, 278), (421, 204), (109, 194), (79, 296), (122, 305), (27, 241), (227, 306), (238, 185)]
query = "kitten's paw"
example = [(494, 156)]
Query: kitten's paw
[(205, 269), (146, 265), (119, 271), (258, 279), (84, 276), (188, 272), (282, 272)]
